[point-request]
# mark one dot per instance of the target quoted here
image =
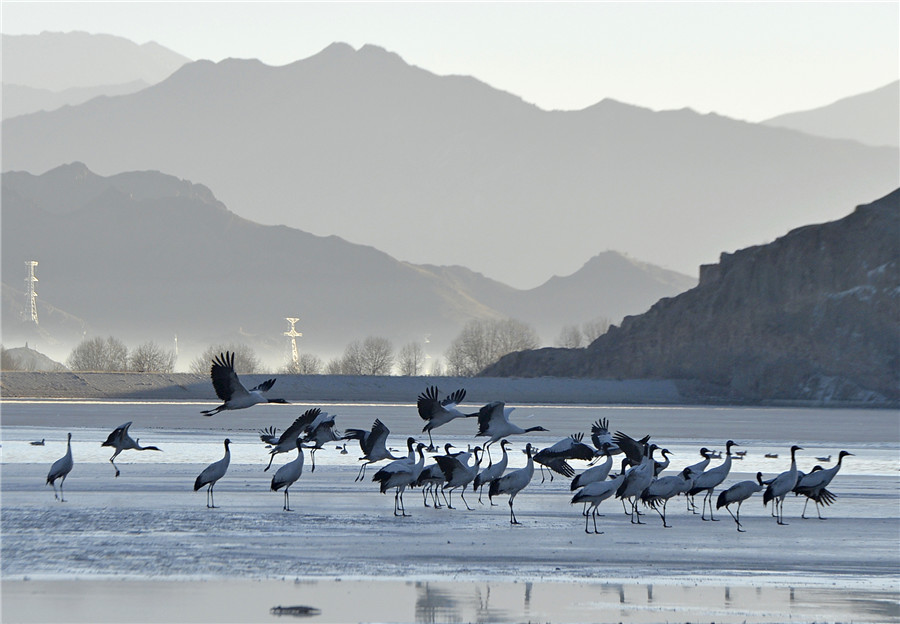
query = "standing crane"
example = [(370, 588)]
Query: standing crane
[(288, 474), (738, 493), (60, 470), (813, 485), (781, 485), (708, 481), (211, 474), (514, 482)]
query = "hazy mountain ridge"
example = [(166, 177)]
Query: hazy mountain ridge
[(812, 315), (143, 255), (872, 118), (21, 100), (57, 61), (448, 171)]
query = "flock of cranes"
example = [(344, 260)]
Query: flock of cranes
[(638, 481)]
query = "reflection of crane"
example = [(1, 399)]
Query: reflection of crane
[(295, 357), (29, 285)]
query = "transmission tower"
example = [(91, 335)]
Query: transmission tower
[(293, 334), (29, 288)]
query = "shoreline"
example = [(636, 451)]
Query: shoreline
[(364, 388)]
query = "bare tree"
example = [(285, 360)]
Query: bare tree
[(377, 356), (245, 360), (595, 328), (335, 366), (483, 342), (437, 369), (307, 364), (99, 354), (570, 337), (412, 359), (352, 360), (151, 358)]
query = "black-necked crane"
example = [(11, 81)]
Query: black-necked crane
[(230, 389), (738, 493), (60, 470), (493, 471), (813, 485), (401, 474), (211, 474), (659, 466), (121, 441), (437, 412), (514, 482), (38, 442), (636, 480), (287, 441), (696, 470), (288, 474), (825, 460), (594, 493), (373, 444), (493, 422), (781, 485), (459, 473), (556, 457), (319, 433), (709, 480), (664, 488), (598, 472)]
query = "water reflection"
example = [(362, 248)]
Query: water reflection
[(442, 602)]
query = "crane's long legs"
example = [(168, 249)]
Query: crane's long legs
[(737, 519), (210, 498), (462, 494), (512, 514), (287, 500), (271, 458), (113, 462)]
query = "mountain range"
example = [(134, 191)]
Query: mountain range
[(446, 170), (809, 316), (147, 256), (872, 118)]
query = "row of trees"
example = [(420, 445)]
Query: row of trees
[(111, 355), (480, 343)]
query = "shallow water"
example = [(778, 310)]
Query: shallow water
[(435, 600), (147, 526)]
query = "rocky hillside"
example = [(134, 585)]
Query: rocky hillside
[(812, 315)]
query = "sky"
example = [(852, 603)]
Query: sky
[(749, 61)]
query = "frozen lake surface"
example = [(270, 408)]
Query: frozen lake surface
[(145, 530)]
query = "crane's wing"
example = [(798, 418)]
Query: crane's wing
[(428, 403), (225, 381), (117, 434), (455, 398), (633, 449), (487, 414), (378, 436), (264, 386), (300, 424), (269, 435)]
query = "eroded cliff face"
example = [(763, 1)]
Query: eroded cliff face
[(814, 315)]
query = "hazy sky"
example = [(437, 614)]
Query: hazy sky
[(749, 61)]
